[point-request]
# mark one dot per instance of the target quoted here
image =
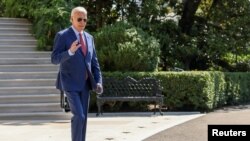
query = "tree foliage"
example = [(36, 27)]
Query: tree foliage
[(123, 47), (193, 34)]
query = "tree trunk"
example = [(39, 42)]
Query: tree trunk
[(187, 19)]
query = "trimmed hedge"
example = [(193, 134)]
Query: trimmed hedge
[(198, 90)]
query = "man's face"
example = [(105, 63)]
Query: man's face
[(79, 21)]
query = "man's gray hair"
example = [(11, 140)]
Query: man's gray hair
[(78, 9)]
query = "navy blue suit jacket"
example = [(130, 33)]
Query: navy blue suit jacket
[(72, 71)]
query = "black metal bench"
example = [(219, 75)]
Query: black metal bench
[(129, 89)]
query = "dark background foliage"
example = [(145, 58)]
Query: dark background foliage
[(193, 34)]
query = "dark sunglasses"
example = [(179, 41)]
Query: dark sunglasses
[(81, 19)]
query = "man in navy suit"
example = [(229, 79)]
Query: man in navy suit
[(79, 71)]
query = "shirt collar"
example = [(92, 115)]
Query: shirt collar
[(76, 32)]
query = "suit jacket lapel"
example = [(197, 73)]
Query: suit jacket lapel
[(72, 34)]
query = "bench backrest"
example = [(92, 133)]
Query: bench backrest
[(130, 87)]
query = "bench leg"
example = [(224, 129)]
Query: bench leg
[(64, 102), (160, 106), (99, 106), (155, 108)]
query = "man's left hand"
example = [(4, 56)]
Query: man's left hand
[(99, 88)]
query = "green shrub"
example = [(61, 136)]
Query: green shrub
[(47, 17), (238, 88), (123, 47), (1, 8), (48, 20), (192, 90)]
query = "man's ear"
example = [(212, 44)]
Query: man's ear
[(71, 19)]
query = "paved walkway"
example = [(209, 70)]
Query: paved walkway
[(110, 127), (197, 129)]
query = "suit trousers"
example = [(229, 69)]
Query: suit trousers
[(79, 103)]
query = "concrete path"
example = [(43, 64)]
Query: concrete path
[(197, 129), (110, 127)]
